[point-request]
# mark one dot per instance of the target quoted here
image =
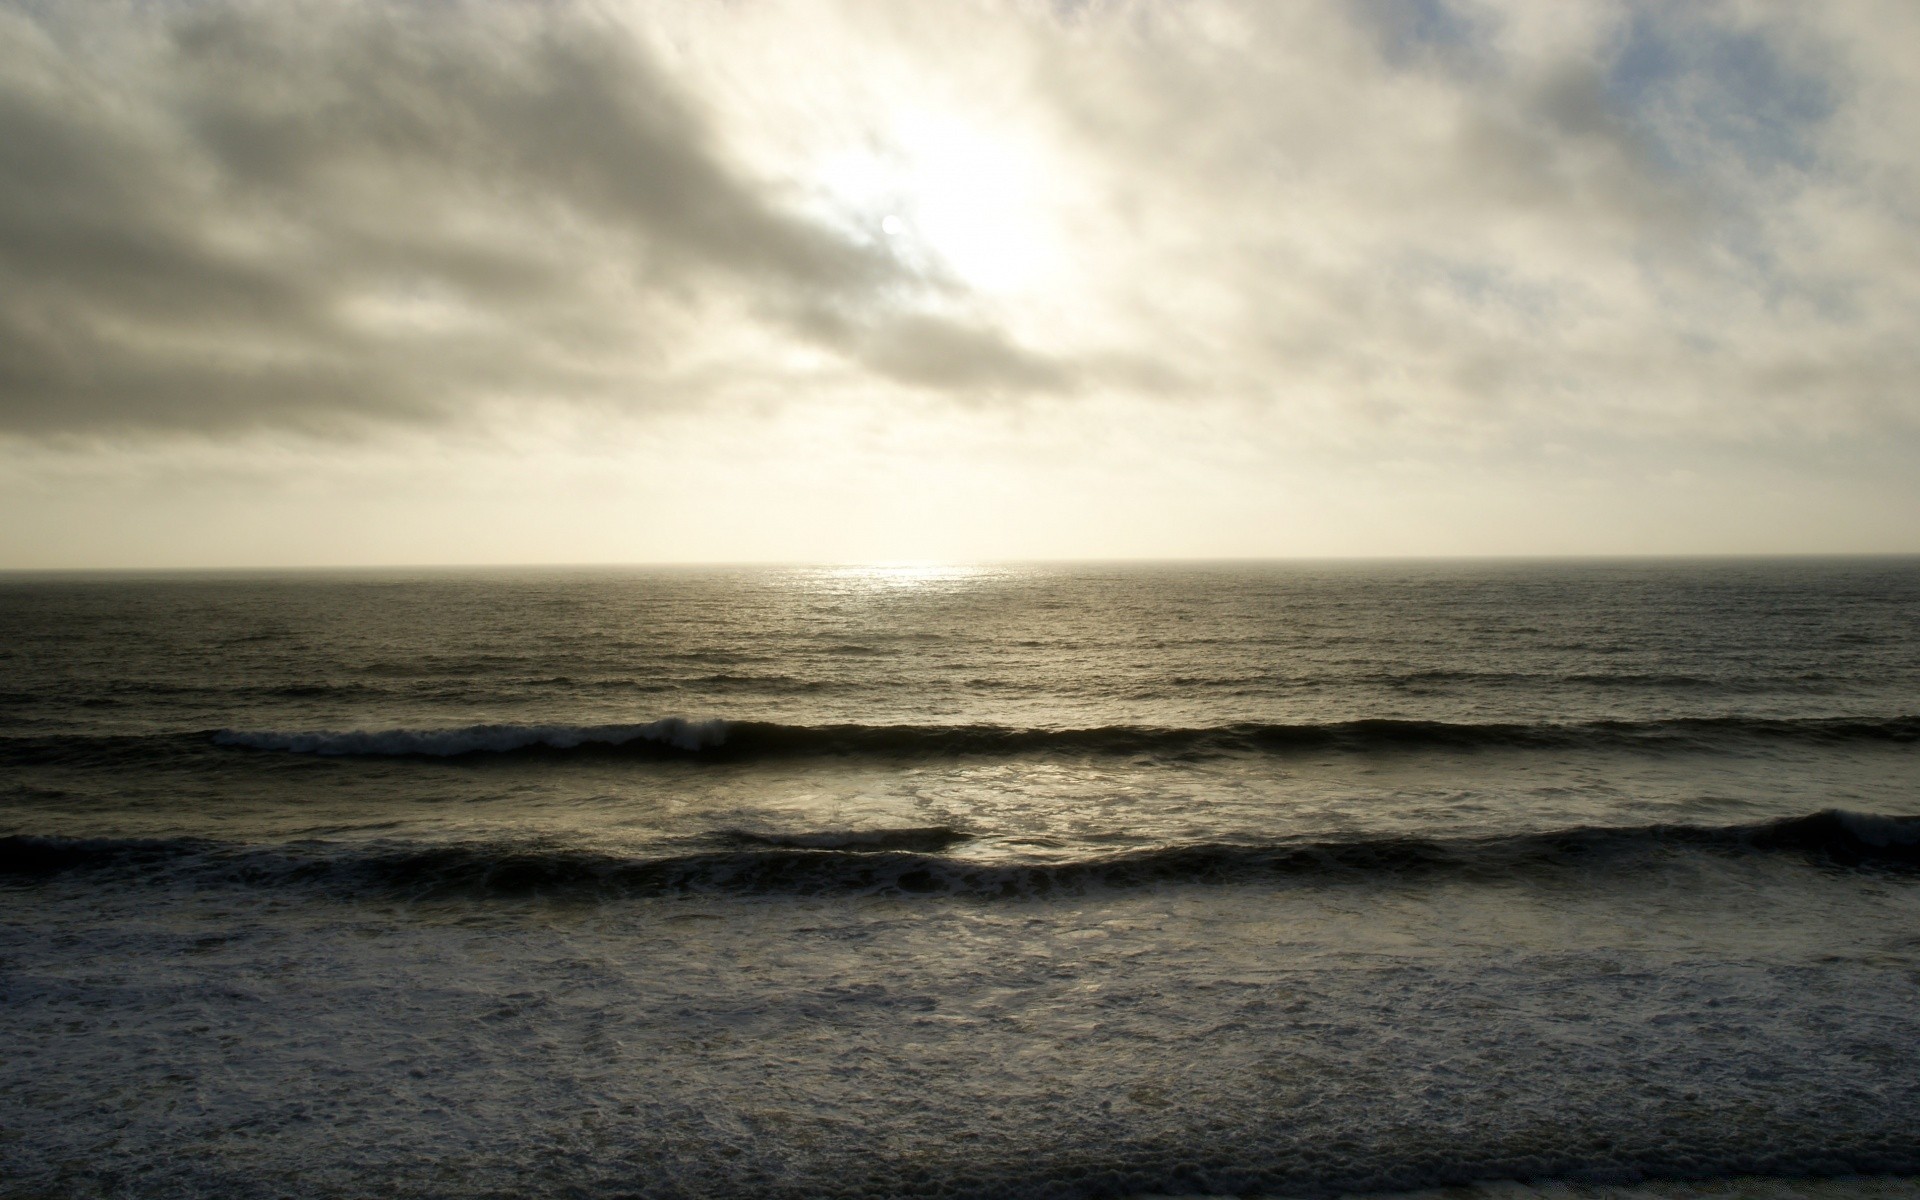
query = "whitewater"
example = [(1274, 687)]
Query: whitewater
[(1062, 881)]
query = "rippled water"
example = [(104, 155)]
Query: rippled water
[(986, 881)]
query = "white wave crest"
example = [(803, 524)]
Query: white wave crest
[(677, 732)]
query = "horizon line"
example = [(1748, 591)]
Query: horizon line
[(1117, 561)]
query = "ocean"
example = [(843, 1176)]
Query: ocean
[(1291, 879)]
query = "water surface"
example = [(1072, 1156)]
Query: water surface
[(1049, 881)]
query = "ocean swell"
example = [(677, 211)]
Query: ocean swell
[(669, 733), (733, 740), (910, 862)]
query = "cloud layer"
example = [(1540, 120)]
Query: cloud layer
[(1443, 222), (219, 216)]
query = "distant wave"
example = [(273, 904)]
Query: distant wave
[(670, 733), (908, 862), (741, 741), (723, 739)]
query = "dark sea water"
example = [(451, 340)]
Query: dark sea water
[(1004, 881)]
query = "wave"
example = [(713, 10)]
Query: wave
[(670, 733), (932, 837), (908, 862), (725, 739)]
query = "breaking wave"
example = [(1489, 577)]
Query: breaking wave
[(909, 862)]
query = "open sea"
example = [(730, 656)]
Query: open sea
[(1571, 878)]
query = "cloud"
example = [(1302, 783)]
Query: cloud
[(215, 216), (1431, 222), (1532, 228)]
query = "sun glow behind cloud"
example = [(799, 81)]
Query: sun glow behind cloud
[(954, 170), (837, 279), (976, 201)]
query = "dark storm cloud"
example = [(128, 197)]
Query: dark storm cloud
[(216, 216)]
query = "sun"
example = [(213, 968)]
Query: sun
[(965, 200)]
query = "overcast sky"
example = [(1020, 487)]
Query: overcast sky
[(287, 283)]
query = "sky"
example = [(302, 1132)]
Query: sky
[(854, 280)]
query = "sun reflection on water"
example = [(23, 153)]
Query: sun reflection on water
[(902, 575)]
